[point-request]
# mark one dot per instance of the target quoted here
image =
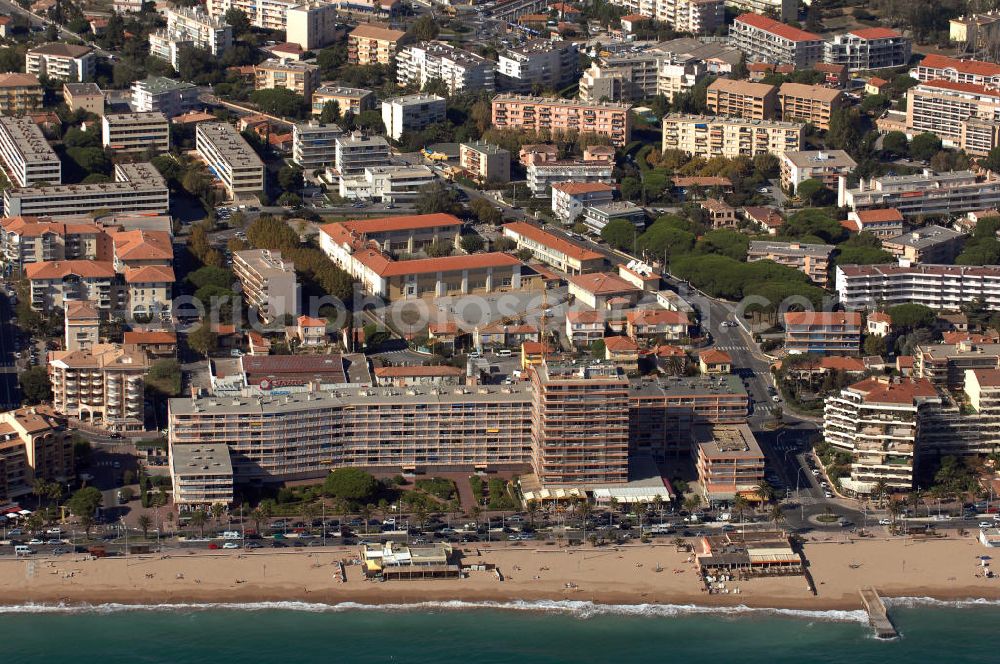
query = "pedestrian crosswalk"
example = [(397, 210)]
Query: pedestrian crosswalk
[(730, 347)]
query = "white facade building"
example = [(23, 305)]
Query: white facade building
[(411, 113), (423, 62), (230, 158), (28, 158)]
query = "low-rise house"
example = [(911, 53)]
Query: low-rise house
[(880, 222), (765, 218), (504, 334), (157, 343), (585, 327), (879, 324), (310, 332), (714, 361), (623, 352), (720, 213), (598, 290), (648, 325), (407, 376)]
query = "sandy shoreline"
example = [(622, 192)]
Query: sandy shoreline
[(941, 569)]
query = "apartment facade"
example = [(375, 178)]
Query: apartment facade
[(29, 240), (230, 158), (824, 165), (868, 48), (268, 14), (813, 260), (164, 95), (370, 44), (136, 132), (314, 145), (596, 217), (354, 153), (458, 69), (708, 137), (388, 184), (411, 113), (694, 16), (27, 157), (53, 283), (20, 93), (823, 332), (570, 199), (945, 107), (61, 61), (149, 291), (814, 104), (944, 287), (485, 162), (947, 366), (355, 100), (880, 222), (936, 67), (299, 77), (538, 62), (83, 96), (201, 476), (563, 115), (742, 99), (103, 386), (269, 283), (628, 77), (928, 244), (729, 460), (189, 27), (34, 445), (138, 187), (313, 25), (763, 39), (541, 176), (928, 193), (552, 250)]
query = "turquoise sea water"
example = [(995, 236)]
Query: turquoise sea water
[(545, 633)]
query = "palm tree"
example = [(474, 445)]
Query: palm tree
[(198, 519), (532, 512), (692, 502), (218, 509), (257, 516), (421, 515), (765, 491), (880, 492), (40, 488), (658, 505), (586, 509), (144, 523), (54, 491), (777, 514), (366, 512), (740, 506)]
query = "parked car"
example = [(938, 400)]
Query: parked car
[(230, 545), (885, 522)]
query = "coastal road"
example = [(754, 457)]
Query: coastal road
[(9, 393)]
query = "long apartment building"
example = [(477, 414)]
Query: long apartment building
[(927, 193), (136, 132), (836, 332), (29, 240), (549, 64), (189, 27), (138, 187), (868, 48), (953, 111), (65, 62), (813, 260), (942, 68), (543, 175), (269, 283), (742, 99), (372, 45), (708, 137), (814, 104), (268, 14), (20, 93), (947, 365), (299, 77), (563, 115), (230, 158), (390, 235), (763, 39), (622, 77), (880, 422), (944, 287), (34, 445), (784, 10), (28, 159), (459, 70), (553, 250), (101, 386), (53, 283)]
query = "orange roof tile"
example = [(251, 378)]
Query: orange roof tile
[(777, 28), (875, 33), (150, 274), (150, 337), (656, 317), (61, 269), (823, 318), (973, 67), (309, 321), (576, 188), (369, 31), (958, 86), (715, 356), (620, 344), (552, 241), (876, 390), (602, 283)]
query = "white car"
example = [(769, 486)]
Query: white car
[(885, 522), (230, 545), (985, 524)]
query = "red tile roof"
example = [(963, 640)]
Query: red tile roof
[(875, 33), (388, 224), (656, 317), (903, 392), (715, 356), (778, 28), (620, 344), (576, 188), (961, 87), (552, 241), (150, 274), (61, 269), (602, 283), (385, 267), (309, 321), (878, 215), (823, 318), (838, 363), (972, 67), (150, 337)]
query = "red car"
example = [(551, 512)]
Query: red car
[(213, 546)]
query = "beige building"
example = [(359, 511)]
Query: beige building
[(84, 96), (823, 165), (928, 244), (20, 93), (61, 61), (313, 25), (299, 77), (370, 44), (485, 162), (763, 39), (355, 100), (269, 14), (82, 325), (34, 445), (708, 137), (813, 260), (729, 460), (269, 283), (102, 386), (30, 240), (230, 158), (201, 475), (552, 250), (962, 115), (742, 99), (56, 282), (136, 132), (563, 115), (809, 103), (149, 290)]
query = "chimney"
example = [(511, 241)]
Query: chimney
[(842, 190)]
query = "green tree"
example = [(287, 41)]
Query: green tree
[(144, 524), (436, 197), (330, 113), (199, 519), (895, 144), (35, 385), (349, 484), (164, 378), (281, 102), (239, 20), (439, 248), (472, 243), (874, 345), (620, 234), (84, 504), (203, 340), (504, 244), (424, 28), (991, 160), (912, 316), (290, 179), (843, 133), (814, 192), (924, 146), (598, 348)]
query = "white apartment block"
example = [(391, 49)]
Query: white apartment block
[(457, 69), (785, 10), (269, 14), (388, 184), (541, 176), (314, 145), (354, 153), (710, 136), (943, 287), (190, 27), (936, 67), (201, 475), (269, 283), (569, 199), (164, 95), (624, 77), (411, 113), (230, 158), (868, 48), (549, 64), (136, 132), (28, 159), (694, 16), (763, 39), (138, 187), (945, 107), (64, 62), (927, 193), (312, 25)]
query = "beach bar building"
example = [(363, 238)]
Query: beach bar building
[(749, 554), (391, 560)]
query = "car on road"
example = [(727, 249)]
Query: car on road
[(34, 541), (252, 545), (60, 550), (230, 545), (828, 494), (985, 524), (885, 522), (54, 542)]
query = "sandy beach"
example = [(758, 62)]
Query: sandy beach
[(943, 569)]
